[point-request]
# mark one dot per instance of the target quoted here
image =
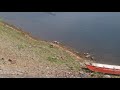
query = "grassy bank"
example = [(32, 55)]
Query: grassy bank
[(35, 57), (21, 55)]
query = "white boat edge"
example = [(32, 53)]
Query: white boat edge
[(103, 65)]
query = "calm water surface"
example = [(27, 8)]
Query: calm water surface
[(95, 32)]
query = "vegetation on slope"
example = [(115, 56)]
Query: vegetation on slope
[(34, 57)]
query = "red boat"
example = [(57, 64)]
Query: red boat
[(104, 68)]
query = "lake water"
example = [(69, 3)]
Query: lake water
[(95, 32)]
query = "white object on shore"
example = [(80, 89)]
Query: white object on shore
[(56, 42)]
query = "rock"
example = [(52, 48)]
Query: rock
[(87, 53), (56, 42), (69, 73), (9, 60), (107, 76), (47, 67), (92, 58), (2, 58), (87, 56), (81, 72), (84, 75), (12, 61)]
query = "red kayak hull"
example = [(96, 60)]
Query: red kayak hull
[(104, 70)]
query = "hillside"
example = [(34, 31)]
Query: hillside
[(24, 56)]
